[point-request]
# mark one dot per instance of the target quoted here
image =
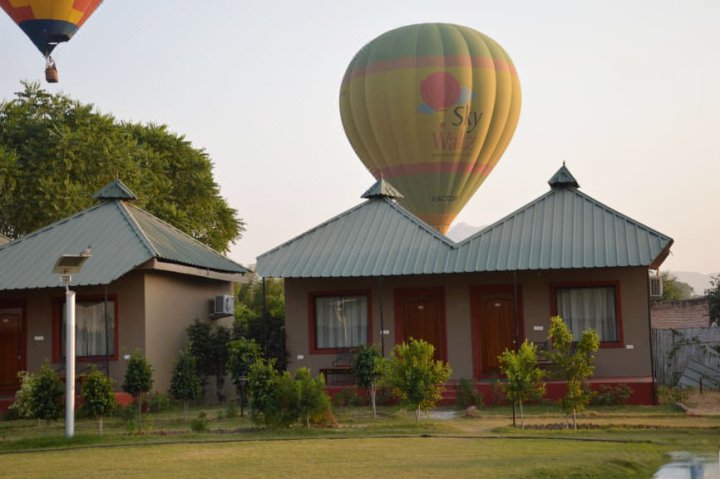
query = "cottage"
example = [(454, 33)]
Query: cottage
[(144, 284), (377, 274)]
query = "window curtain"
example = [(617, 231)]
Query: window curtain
[(90, 328), (589, 308), (341, 321)]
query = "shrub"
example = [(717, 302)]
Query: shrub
[(523, 376), (670, 395), (260, 389), (415, 376), (23, 406), (185, 381), (608, 395), (367, 366), (199, 424), (242, 353), (98, 396), (348, 397), (158, 402), (467, 395), (45, 395), (138, 378), (210, 349), (231, 411), (313, 401)]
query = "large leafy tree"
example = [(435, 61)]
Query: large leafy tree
[(55, 152)]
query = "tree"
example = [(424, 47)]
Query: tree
[(674, 289), (209, 346), (261, 394), (138, 378), (265, 325), (415, 376), (367, 366), (185, 382), (47, 395), (524, 378), (55, 152), (713, 294), (98, 396), (242, 353), (572, 363)]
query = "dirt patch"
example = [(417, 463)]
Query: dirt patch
[(705, 404)]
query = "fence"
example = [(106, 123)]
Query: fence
[(673, 348)]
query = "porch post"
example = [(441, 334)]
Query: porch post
[(69, 362)]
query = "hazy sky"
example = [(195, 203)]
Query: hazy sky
[(625, 92)]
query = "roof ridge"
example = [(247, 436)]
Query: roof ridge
[(429, 229), (136, 228), (178, 230)]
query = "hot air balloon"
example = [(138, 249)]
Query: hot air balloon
[(431, 108), (49, 22)]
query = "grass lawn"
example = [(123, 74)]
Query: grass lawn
[(616, 442)]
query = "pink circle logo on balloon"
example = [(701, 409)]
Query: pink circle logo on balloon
[(440, 90)]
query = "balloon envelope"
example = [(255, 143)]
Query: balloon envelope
[(49, 22), (431, 108)]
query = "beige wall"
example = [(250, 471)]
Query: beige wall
[(172, 303), (630, 360)]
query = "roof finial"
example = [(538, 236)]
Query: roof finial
[(563, 179)]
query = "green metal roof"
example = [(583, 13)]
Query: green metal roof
[(122, 238), (562, 229)]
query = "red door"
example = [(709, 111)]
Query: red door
[(420, 314), (494, 326), (11, 360)]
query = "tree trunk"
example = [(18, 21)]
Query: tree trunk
[(574, 419), (186, 406), (307, 420), (522, 415), (417, 415), (100, 424), (373, 391), (139, 399)]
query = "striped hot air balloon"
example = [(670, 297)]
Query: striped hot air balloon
[(431, 108), (49, 22)]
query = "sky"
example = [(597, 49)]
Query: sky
[(626, 93)]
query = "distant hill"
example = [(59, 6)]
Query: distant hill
[(460, 231), (698, 281)]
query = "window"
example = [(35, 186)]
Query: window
[(90, 337), (590, 307), (340, 321)]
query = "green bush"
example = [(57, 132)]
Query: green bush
[(199, 424), (158, 402), (312, 401), (670, 395), (242, 353), (260, 386), (23, 405), (185, 384), (523, 376), (40, 395), (138, 378), (608, 395), (467, 395), (232, 410), (98, 396), (367, 366), (348, 397)]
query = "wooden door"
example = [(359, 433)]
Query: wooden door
[(11, 360), (494, 325), (496, 328), (420, 314)]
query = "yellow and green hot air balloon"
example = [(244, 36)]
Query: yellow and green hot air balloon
[(49, 22), (431, 108)]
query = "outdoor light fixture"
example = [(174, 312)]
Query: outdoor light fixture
[(66, 266)]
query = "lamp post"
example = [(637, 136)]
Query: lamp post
[(65, 266)]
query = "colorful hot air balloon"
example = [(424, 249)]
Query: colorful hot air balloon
[(431, 108), (49, 22)]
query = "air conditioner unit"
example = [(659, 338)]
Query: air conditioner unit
[(656, 287), (224, 305)]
